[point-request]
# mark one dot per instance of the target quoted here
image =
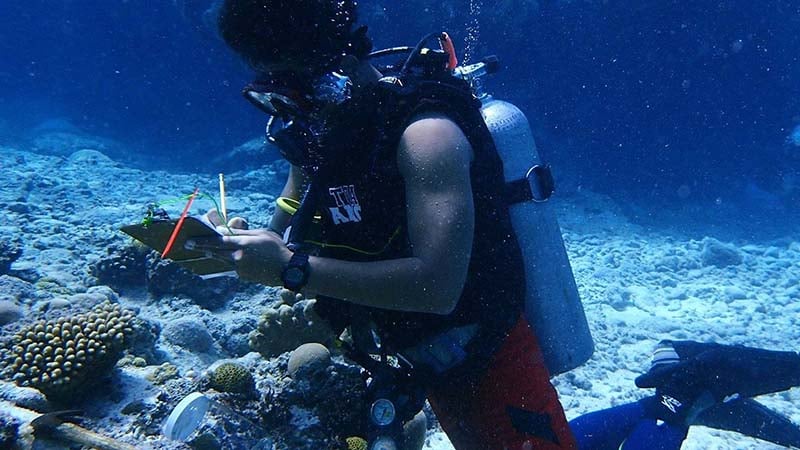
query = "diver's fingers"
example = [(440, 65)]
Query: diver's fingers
[(232, 242), (211, 243), (239, 223), (213, 216), (234, 226), (225, 255), (256, 232), (232, 231)]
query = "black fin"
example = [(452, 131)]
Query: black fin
[(53, 419), (748, 417)]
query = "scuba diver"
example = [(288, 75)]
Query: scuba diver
[(397, 217)]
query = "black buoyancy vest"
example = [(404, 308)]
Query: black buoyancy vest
[(364, 212)]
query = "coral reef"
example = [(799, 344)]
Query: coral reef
[(414, 432), (309, 356), (142, 342), (10, 249), (356, 443), (12, 288), (122, 267), (66, 142), (324, 402), (205, 441), (150, 415), (288, 327), (235, 339), (232, 378), (9, 428), (189, 334), (314, 410), (163, 373), (87, 158), (10, 312), (64, 357), (24, 397), (165, 277)]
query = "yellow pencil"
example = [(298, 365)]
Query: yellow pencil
[(224, 211)]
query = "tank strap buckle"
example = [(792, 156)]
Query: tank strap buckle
[(538, 186), (443, 351)]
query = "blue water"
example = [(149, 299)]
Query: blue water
[(658, 101)]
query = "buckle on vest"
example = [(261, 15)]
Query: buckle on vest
[(443, 351), (537, 186)]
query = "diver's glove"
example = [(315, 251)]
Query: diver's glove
[(691, 376)]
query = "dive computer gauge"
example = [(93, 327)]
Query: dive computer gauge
[(382, 412), (384, 443)]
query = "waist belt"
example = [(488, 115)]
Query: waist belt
[(443, 351)]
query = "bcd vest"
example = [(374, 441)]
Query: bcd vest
[(364, 212)]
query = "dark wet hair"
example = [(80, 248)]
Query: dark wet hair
[(315, 33)]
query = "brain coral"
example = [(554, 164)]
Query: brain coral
[(232, 377), (65, 356), (356, 443)]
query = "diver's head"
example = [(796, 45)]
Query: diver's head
[(298, 49), (305, 36)]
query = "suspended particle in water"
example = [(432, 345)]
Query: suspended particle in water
[(737, 46)]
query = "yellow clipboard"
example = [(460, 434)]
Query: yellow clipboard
[(156, 234)]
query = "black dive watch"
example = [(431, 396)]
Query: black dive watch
[(295, 274)]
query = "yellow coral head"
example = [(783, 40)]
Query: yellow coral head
[(356, 443)]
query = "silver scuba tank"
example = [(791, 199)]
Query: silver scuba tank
[(552, 305)]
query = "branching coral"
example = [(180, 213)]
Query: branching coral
[(287, 327)]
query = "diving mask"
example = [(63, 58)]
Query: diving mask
[(297, 121), (273, 103), (285, 94)]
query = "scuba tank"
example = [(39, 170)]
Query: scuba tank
[(552, 305)]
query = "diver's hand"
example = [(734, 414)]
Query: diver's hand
[(259, 255), (235, 223)]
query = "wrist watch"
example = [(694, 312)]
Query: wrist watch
[(295, 274)]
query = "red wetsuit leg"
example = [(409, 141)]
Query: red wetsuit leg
[(512, 406)]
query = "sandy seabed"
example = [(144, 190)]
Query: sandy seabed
[(640, 283)]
